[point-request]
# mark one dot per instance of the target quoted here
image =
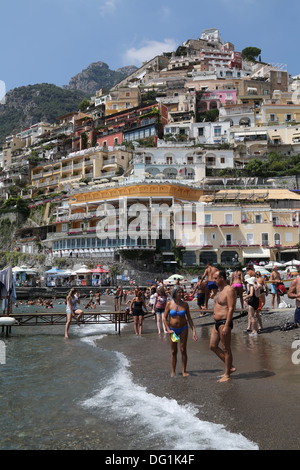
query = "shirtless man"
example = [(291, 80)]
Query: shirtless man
[(236, 282), (211, 285), (294, 293), (275, 279), (200, 291), (224, 306)]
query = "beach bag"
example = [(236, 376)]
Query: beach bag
[(280, 289)]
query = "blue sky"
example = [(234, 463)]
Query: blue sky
[(49, 41)]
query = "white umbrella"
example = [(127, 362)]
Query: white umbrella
[(271, 265), (82, 270), (174, 277), (294, 262)]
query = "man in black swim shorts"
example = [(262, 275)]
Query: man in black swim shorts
[(224, 306)]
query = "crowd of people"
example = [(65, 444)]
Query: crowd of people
[(169, 306)]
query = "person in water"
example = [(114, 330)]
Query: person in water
[(138, 309), (71, 309), (224, 306), (179, 316)]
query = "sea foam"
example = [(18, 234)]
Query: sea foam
[(159, 420)]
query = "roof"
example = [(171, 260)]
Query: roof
[(269, 194)]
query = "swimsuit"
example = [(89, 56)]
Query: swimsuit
[(211, 285), (218, 323), (73, 303), (137, 309), (175, 313), (200, 299), (178, 331), (237, 285)]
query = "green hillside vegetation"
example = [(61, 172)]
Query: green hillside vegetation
[(28, 105)]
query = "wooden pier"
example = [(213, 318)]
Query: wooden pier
[(57, 318), (93, 318)]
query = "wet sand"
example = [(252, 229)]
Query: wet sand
[(261, 400)]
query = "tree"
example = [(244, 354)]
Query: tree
[(251, 53), (84, 104)]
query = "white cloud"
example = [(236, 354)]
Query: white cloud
[(109, 6), (150, 49)]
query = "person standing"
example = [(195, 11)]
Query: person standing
[(275, 279), (211, 285), (160, 302), (137, 309), (224, 306), (253, 305), (294, 293), (180, 316), (71, 309), (236, 281)]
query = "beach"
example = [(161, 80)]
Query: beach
[(100, 390), (261, 401)]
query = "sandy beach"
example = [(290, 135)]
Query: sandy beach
[(261, 401)]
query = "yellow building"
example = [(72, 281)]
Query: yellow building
[(122, 99), (272, 114), (230, 227), (88, 164)]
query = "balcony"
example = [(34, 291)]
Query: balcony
[(230, 244), (229, 225)]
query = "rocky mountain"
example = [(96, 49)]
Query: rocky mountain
[(28, 105), (98, 75)]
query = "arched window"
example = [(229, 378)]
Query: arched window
[(277, 239)]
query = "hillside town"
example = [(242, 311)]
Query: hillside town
[(193, 158)]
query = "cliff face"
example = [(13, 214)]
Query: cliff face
[(28, 105), (96, 76)]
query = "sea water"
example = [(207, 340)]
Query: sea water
[(74, 394)]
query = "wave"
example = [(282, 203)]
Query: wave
[(159, 422)]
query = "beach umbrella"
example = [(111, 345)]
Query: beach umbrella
[(82, 270), (98, 270), (175, 277), (26, 270), (294, 262), (194, 280)]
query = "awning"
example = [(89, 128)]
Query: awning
[(256, 253)]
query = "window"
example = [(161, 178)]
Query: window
[(222, 160), (272, 117), (250, 238), (200, 131), (288, 237), (207, 219), (228, 238), (64, 227), (217, 131), (258, 218), (289, 117), (277, 239), (228, 219), (265, 239)]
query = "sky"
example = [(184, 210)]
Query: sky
[(50, 41)]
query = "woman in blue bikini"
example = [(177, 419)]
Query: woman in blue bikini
[(180, 316)]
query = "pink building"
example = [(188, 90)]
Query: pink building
[(217, 98)]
